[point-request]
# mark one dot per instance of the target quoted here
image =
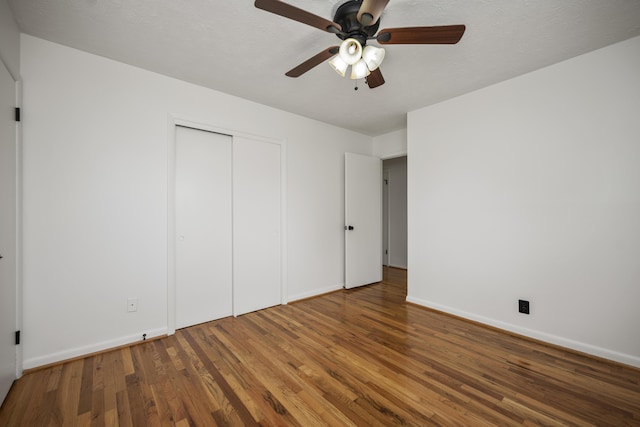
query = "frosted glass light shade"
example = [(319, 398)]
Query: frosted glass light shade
[(359, 70), (350, 51), (373, 57), (339, 65)]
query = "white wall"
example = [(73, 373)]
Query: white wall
[(95, 197), (531, 189), (392, 144), (9, 40), (396, 172)]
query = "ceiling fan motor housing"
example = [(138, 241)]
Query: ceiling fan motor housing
[(347, 16)]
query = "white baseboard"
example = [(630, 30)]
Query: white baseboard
[(627, 359), (315, 293), (403, 267), (88, 349)]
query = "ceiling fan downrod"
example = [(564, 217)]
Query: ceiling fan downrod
[(347, 17)]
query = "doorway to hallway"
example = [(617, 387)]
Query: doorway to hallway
[(394, 215)]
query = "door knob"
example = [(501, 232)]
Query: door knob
[(348, 227)]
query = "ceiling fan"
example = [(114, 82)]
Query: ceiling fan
[(356, 22)]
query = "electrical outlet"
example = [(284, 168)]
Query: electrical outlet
[(523, 306), (132, 304)]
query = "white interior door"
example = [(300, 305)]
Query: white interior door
[(257, 242), (203, 226), (8, 261), (363, 220)]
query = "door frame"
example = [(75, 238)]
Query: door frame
[(386, 215), (19, 231), (172, 122), (16, 205)]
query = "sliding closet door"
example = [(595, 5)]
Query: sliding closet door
[(256, 225), (203, 226)]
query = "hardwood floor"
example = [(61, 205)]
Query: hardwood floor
[(360, 357)]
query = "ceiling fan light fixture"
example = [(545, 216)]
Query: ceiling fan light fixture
[(359, 70), (373, 56), (350, 51), (339, 65)]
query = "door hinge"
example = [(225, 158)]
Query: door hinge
[(386, 182), (17, 114), (386, 252), (17, 337)]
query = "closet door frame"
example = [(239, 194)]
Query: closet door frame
[(173, 122)]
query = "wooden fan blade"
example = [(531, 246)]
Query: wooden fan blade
[(445, 34), (375, 79), (370, 11), (297, 14), (312, 62)]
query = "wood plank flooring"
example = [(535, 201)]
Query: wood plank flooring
[(360, 357)]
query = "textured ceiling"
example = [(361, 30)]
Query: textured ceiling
[(231, 46)]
